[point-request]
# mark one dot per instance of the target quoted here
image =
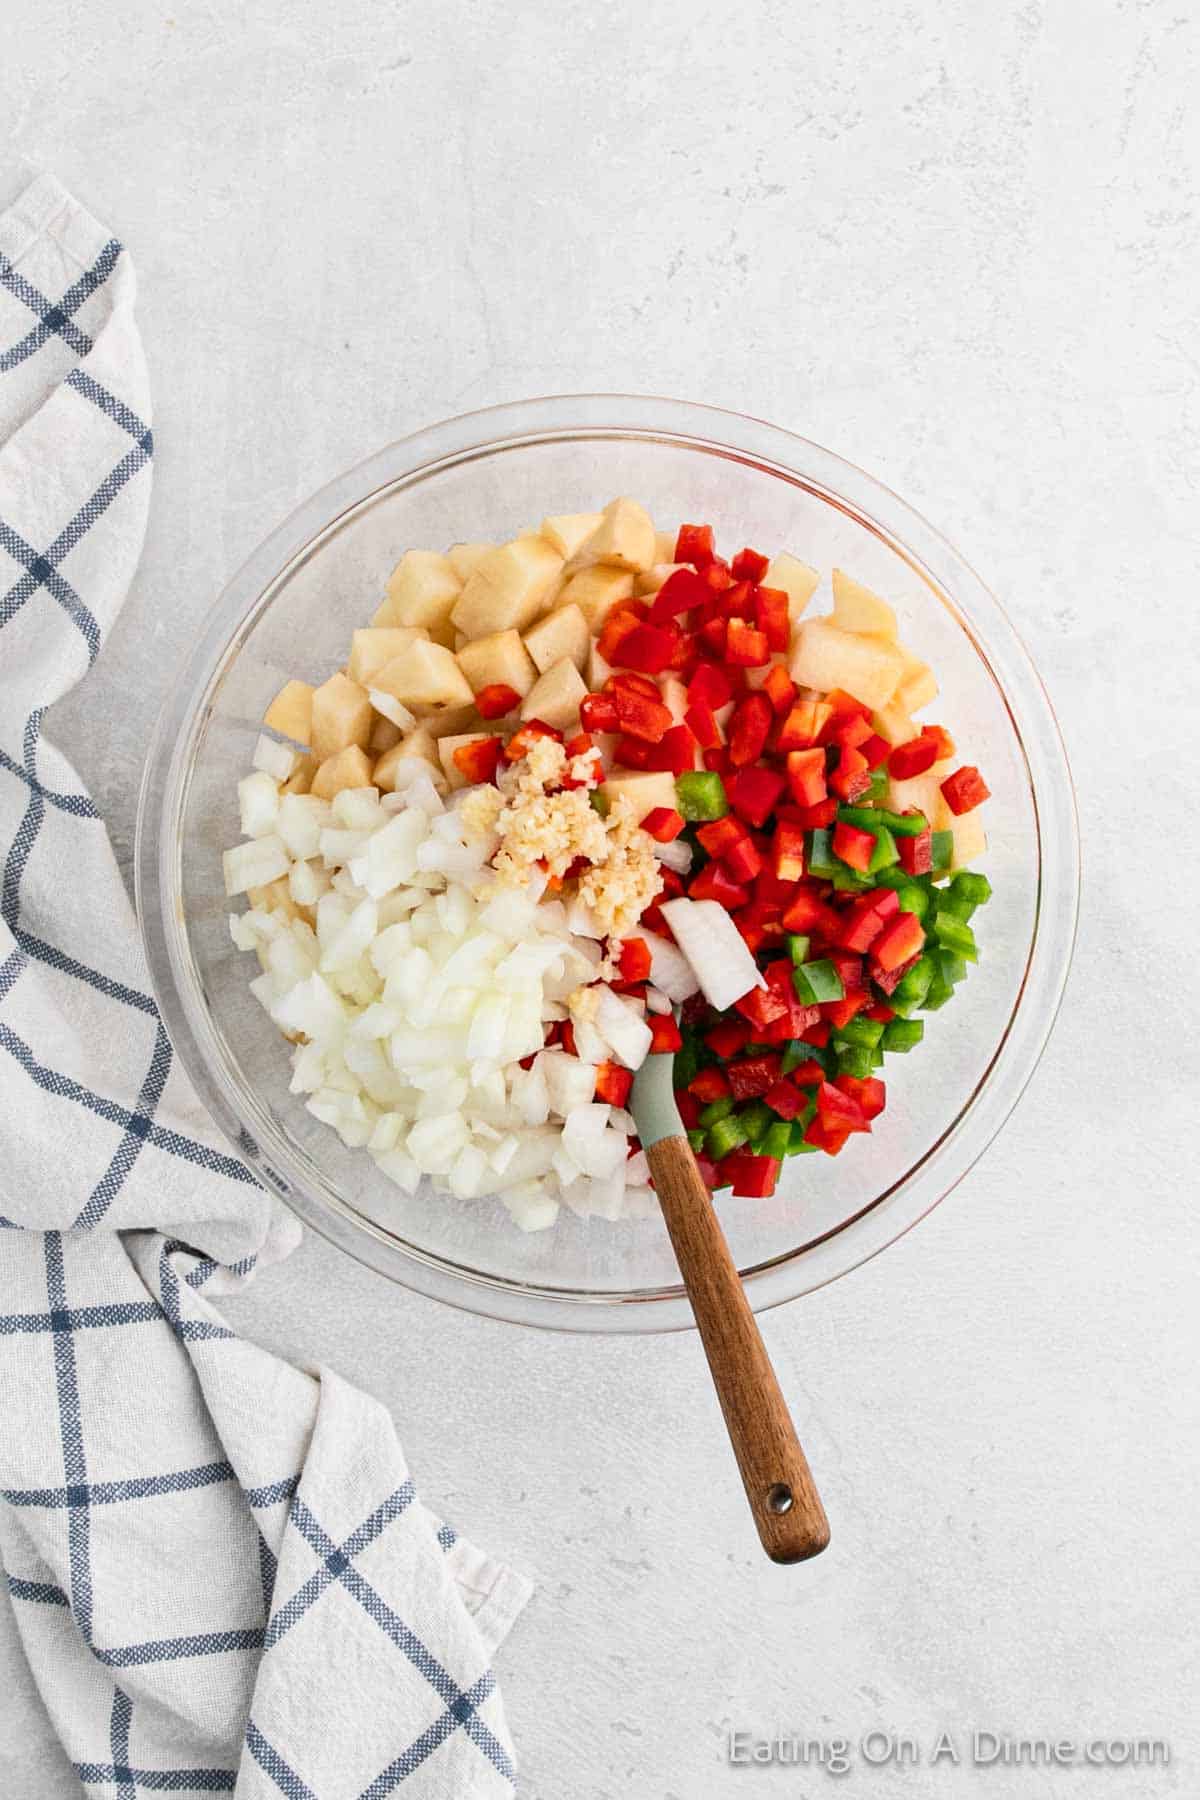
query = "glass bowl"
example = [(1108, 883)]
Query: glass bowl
[(487, 475)]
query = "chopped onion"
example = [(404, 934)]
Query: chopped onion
[(716, 949)]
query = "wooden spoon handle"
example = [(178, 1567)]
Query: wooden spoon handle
[(779, 1485)]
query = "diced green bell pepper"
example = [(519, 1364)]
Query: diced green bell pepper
[(849, 881), (903, 1034), (797, 948), (914, 899), (819, 858), (716, 1110), (859, 1030), (599, 802), (955, 935), (797, 1053), (941, 851), (816, 982), (885, 853), (701, 795), (879, 783), (877, 818), (776, 1140), (725, 1136), (913, 986), (971, 889), (854, 1059), (697, 1139)]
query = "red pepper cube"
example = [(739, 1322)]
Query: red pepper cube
[(641, 717), (838, 1013), (784, 1099), (808, 1074), (632, 753), (751, 1078), (876, 750), (839, 1110), (850, 730), (676, 753), (751, 1177), (745, 646), (771, 617), (701, 722), (807, 913), (916, 853), (634, 960), (806, 776), (849, 968), (598, 713), (629, 681), (899, 942), (665, 1035), (965, 790), (760, 1006), (688, 1107), (787, 851), (867, 1090), (478, 761), (720, 835), (714, 883), (680, 592), (851, 779), (613, 1083), (743, 860), (663, 824), (749, 565), (617, 626), (805, 722), (913, 758), (709, 686), (780, 689), (737, 602), (853, 847), (493, 701), (709, 1085), (861, 924), (748, 730), (819, 817), (717, 575), (831, 1139), (717, 760), (753, 793), (647, 648), (694, 544), (753, 931), (727, 1038)]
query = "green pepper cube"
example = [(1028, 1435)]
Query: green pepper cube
[(697, 1139), (885, 853), (860, 1030), (797, 948), (701, 795), (797, 1053), (854, 1059), (970, 889), (903, 1034), (817, 982), (725, 1136), (879, 783), (955, 935), (819, 858), (757, 1118), (849, 881), (776, 1140), (941, 851), (914, 899), (716, 1110), (599, 802)]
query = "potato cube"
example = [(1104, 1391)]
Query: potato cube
[(664, 546), (643, 791), (568, 532), (348, 768), (341, 716), (596, 591), (466, 558), (856, 608), (374, 646), (893, 724), (796, 580), (970, 839), (624, 537), (418, 743), (825, 657), (923, 793), (918, 684), (450, 719), (301, 778), (446, 748), (384, 733), (290, 712), (508, 588), (563, 633), (554, 697), (421, 590), (276, 896), (598, 670), (500, 657), (424, 675)]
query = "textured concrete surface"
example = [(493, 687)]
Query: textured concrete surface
[(958, 245)]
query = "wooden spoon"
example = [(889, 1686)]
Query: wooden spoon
[(775, 1473)]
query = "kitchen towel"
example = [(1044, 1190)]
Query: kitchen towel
[(223, 1580)]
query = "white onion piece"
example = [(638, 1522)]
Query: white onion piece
[(627, 1036), (254, 864), (676, 855), (274, 759), (670, 970), (392, 709), (716, 949)]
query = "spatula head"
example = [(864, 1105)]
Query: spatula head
[(652, 1101)]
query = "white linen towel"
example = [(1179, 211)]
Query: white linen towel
[(223, 1580)]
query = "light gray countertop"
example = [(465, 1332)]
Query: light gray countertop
[(959, 246)]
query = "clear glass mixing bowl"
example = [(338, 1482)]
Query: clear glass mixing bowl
[(289, 612)]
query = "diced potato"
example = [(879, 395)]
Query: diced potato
[(384, 733), (825, 657), (501, 657), (923, 793), (970, 839), (341, 716), (446, 748), (349, 768), (893, 724), (421, 590), (554, 697), (598, 670), (374, 647), (856, 608), (276, 896), (290, 712), (918, 684), (466, 558), (563, 633), (508, 587), (568, 532), (301, 778), (624, 537), (644, 791), (796, 579), (652, 579), (451, 719), (418, 743), (596, 591), (424, 675), (664, 546)]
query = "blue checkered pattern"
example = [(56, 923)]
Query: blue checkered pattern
[(221, 1574)]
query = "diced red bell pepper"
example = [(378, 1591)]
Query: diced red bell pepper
[(876, 750), (888, 980), (849, 968), (613, 1083), (862, 923), (717, 759), (663, 824), (493, 701), (806, 1074), (727, 1038), (478, 761), (852, 846), (830, 1138), (737, 602), (819, 1034), (840, 703), (881, 1013), (701, 722), (840, 1110), (709, 686), (787, 851), (689, 1108), (708, 1171), (785, 1099), (806, 776), (720, 835), (709, 1085), (804, 724), (900, 940), (916, 853), (760, 1006), (695, 1010), (648, 648), (746, 646), (808, 913), (771, 894), (694, 544), (672, 882), (840, 1012), (965, 790), (743, 860), (679, 593), (712, 883), (850, 729), (867, 1090), (633, 753), (665, 1035), (714, 632), (579, 745), (639, 716), (915, 757), (633, 683), (676, 753), (790, 1024), (778, 975), (634, 960), (748, 729), (568, 1038), (518, 744), (819, 817), (752, 1177), (597, 712), (851, 779), (752, 929), (753, 1076), (749, 565), (717, 575), (780, 689), (753, 793), (771, 617)]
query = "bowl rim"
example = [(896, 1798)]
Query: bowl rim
[(780, 453)]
